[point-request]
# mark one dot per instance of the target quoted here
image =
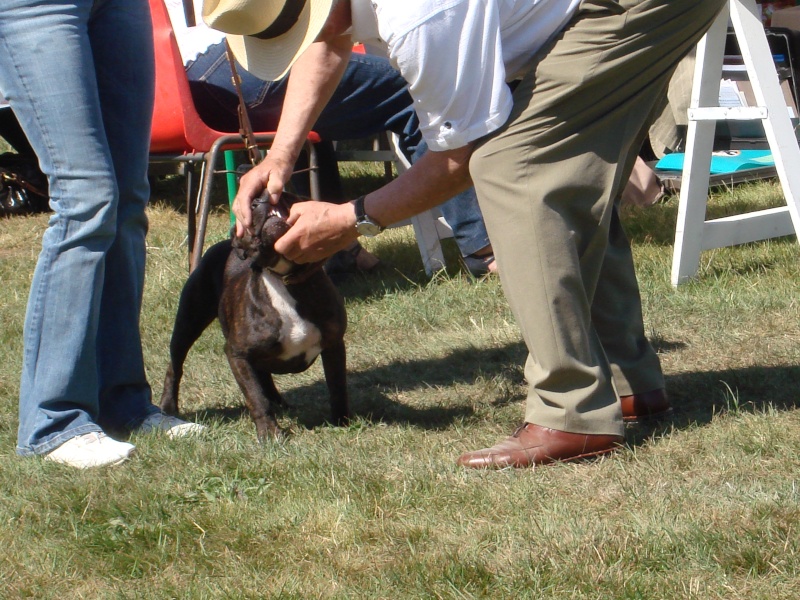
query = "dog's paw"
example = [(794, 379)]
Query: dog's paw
[(278, 435)]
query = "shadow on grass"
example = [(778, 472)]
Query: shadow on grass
[(387, 279), (372, 391), (696, 396), (699, 395)]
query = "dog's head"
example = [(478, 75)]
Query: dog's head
[(269, 224)]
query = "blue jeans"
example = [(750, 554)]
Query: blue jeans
[(79, 76), (372, 97)]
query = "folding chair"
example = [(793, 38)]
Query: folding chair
[(181, 138), (430, 228)]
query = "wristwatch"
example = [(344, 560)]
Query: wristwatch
[(364, 224)]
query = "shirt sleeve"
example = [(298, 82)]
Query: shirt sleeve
[(453, 62)]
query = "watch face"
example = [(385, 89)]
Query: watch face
[(368, 229)]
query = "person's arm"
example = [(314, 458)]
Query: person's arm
[(319, 229), (312, 81)]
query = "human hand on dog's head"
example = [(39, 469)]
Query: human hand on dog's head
[(270, 176), (268, 225)]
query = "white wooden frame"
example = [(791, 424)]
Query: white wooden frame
[(693, 233)]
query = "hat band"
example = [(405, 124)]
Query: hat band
[(287, 19)]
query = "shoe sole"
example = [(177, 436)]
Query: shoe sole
[(653, 419), (585, 457), (552, 461), (83, 467)]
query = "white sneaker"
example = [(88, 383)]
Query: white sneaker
[(172, 426), (94, 449)]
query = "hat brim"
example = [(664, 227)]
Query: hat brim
[(271, 60)]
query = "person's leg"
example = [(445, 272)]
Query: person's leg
[(121, 37), (372, 97), (617, 317), (43, 43), (215, 98), (463, 214), (547, 182), (216, 101), (668, 130)]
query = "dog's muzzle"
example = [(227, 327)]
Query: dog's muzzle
[(274, 216), (273, 227)]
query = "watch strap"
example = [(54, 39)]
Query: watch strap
[(361, 213)]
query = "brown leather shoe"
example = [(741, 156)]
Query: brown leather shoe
[(535, 445), (648, 405)]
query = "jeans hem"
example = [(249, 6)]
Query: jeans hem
[(473, 245)]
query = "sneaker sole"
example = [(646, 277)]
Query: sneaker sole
[(95, 466)]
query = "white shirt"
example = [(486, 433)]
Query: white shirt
[(192, 41), (457, 56)]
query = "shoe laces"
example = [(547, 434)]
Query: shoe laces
[(518, 430)]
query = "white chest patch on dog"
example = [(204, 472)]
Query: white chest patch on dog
[(297, 336)]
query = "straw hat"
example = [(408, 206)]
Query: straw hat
[(267, 36)]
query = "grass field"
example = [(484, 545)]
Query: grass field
[(705, 506)]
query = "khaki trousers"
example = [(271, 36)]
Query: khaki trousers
[(547, 184)]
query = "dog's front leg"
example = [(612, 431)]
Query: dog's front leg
[(334, 364), (257, 403)]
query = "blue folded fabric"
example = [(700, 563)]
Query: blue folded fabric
[(728, 161)]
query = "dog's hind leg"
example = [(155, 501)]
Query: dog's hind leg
[(334, 365), (196, 310)]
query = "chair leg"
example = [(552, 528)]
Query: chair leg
[(206, 187), (313, 173), (426, 231), (203, 208), (191, 215), (230, 178), (382, 142)]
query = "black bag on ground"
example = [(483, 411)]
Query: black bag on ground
[(23, 187)]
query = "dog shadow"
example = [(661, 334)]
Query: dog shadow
[(373, 392)]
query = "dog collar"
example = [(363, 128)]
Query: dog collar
[(295, 273)]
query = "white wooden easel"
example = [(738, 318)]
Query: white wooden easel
[(693, 233)]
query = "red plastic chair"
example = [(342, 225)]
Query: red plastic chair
[(180, 137)]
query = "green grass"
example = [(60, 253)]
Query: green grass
[(706, 506)]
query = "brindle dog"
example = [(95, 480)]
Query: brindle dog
[(276, 316)]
